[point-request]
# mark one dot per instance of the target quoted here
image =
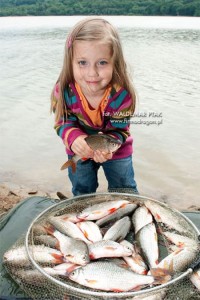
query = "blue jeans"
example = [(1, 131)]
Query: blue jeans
[(119, 174)]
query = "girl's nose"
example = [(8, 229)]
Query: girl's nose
[(92, 71)]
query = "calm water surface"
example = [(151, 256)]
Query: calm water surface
[(163, 56)]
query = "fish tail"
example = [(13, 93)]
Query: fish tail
[(49, 229), (160, 275), (69, 163), (58, 258)]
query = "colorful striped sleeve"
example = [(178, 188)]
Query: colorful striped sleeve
[(66, 127), (119, 114)]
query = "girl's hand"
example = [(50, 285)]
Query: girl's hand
[(81, 148), (101, 157)]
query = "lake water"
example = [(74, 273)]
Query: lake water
[(164, 57)]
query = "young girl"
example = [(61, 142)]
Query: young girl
[(94, 94)]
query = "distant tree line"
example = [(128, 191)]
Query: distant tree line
[(100, 7)]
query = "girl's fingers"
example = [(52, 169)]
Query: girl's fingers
[(101, 157)]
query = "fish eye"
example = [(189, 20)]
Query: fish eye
[(128, 248), (84, 257)]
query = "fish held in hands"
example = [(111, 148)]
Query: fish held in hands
[(101, 142)]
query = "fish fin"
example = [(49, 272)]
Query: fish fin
[(112, 210), (85, 233), (69, 163), (138, 260), (97, 212), (84, 158), (137, 288), (57, 245), (157, 216), (181, 245), (171, 266), (58, 258), (49, 229), (91, 255), (110, 248), (160, 275), (123, 205), (91, 281), (124, 265)]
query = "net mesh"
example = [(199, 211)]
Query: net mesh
[(33, 278)]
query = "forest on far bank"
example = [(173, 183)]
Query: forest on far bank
[(100, 7)]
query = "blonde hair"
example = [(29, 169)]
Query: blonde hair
[(93, 29)]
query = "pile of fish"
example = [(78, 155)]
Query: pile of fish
[(110, 246)]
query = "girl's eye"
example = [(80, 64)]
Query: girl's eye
[(102, 62), (83, 63)]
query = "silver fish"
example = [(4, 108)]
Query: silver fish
[(119, 230), (178, 260), (41, 254), (68, 228), (118, 261), (163, 214), (74, 250), (39, 229), (106, 248), (46, 240), (107, 276), (141, 217), (195, 279), (102, 142), (65, 268), (180, 240), (148, 242), (68, 217), (90, 230), (34, 277), (100, 210), (121, 212), (135, 261)]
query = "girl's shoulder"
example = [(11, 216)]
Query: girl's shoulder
[(70, 95), (118, 96)]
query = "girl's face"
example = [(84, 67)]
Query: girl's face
[(92, 67)]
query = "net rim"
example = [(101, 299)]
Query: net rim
[(108, 295)]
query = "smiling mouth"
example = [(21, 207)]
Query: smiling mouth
[(92, 82)]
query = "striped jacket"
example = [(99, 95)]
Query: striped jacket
[(115, 119)]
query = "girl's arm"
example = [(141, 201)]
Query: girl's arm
[(117, 118), (66, 127)]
